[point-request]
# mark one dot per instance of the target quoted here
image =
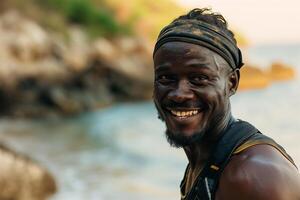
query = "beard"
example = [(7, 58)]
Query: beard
[(213, 120), (179, 140)]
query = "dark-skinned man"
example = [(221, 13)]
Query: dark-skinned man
[(197, 63)]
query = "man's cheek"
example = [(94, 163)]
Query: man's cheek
[(158, 108)]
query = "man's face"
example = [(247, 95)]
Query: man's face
[(191, 91)]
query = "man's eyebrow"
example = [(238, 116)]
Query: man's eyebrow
[(198, 65), (162, 67)]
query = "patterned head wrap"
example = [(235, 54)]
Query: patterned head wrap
[(204, 34)]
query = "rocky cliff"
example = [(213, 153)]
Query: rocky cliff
[(43, 73)]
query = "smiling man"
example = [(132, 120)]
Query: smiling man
[(196, 63)]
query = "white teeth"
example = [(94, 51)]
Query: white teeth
[(184, 113)]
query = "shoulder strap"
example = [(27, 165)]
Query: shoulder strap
[(237, 134), (263, 139), (206, 184)]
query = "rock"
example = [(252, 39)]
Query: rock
[(103, 50), (42, 73), (281, 72), (27, 41), (76, 60), (66, 105), (130, 58), (127, 45), (76, 57), (253, 78), (21, 178), (58, 46)]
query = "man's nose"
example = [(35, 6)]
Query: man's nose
[(181, 93)]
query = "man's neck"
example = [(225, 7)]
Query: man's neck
[(198, 153)]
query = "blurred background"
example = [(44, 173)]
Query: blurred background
[(77, 121)]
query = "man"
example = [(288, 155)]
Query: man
[(197, 62)]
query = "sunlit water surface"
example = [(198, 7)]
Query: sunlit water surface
[(121, 152)]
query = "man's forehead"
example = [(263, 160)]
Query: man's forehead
[(184, 47), (188, 53)]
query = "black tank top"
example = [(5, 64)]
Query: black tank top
[(238, 136)]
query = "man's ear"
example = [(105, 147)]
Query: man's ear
[(234, 79)]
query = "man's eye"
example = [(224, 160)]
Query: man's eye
[(199, 79), (165, 79)]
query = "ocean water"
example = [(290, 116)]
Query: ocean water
[(121, 152)]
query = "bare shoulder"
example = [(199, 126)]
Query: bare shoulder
[(260, 172)]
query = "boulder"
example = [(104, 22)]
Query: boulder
[(21, 178), (76, 57), (281, 72), (26, 40), (252, 77)]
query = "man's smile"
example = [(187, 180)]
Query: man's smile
[(187, 115)]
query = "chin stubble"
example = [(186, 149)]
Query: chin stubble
[(178, 140)]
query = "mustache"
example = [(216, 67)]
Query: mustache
[(186, 104)]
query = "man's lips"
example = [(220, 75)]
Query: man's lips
[(184, 120), (184, 113)]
